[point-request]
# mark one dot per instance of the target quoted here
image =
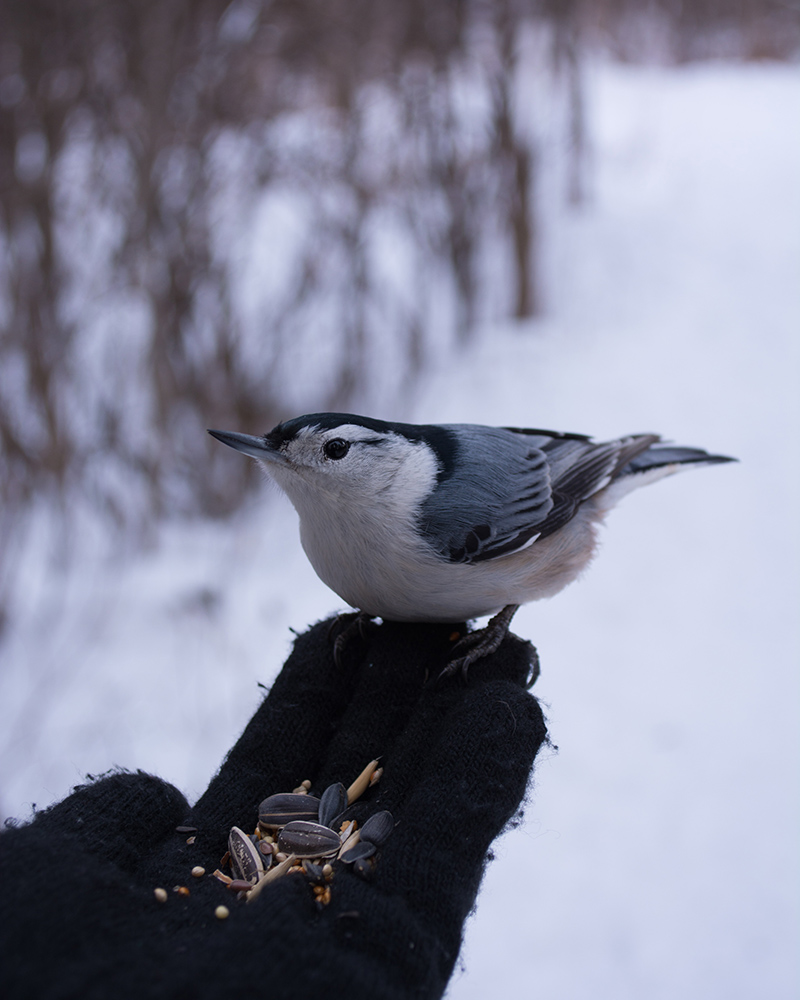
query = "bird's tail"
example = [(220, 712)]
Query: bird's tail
[(657, 462), (672, 457)]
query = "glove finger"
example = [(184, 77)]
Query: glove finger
[(286, 740), (395, 673), (428, 726), (119, 817), (452, 785)]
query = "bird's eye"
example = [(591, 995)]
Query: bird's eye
[(336, 448)]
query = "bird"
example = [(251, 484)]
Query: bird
[(445, 523)]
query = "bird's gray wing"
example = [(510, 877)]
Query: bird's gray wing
[(515, 486)]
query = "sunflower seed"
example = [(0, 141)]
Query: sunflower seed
[(280, 809), (246, 860), (332, 804), (308, 840), (361, 851), (378, 827)]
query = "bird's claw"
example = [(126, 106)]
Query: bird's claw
[(347, 627), (483, 642)]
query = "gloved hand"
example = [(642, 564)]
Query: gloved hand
[(80, 915)]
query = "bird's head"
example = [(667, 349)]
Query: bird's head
[(347, 458)]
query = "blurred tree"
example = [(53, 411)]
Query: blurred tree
[(134, 136), (679, 31), (221, 213)]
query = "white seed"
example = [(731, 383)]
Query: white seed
[(161, 895), (270, 876), (360, 785), (198, 871), (222, 912), (351, 841)]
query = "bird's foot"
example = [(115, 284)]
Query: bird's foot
[(345, 628), (483, 642)]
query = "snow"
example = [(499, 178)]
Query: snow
[(658, 856)]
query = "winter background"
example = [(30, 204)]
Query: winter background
[(658, 853)]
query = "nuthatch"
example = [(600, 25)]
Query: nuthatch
[(448, 522)]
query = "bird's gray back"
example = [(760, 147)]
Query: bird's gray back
[(513, 486)]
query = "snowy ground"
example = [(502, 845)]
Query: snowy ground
[(658, 857)]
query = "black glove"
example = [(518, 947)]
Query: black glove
[(80, 915)]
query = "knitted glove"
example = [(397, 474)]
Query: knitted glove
[(81, 916)]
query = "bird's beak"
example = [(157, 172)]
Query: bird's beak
[(256, 447)]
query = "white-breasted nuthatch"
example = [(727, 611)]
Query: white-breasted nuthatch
[(444, 523)]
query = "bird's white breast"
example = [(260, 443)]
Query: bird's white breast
[(360, 553)]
